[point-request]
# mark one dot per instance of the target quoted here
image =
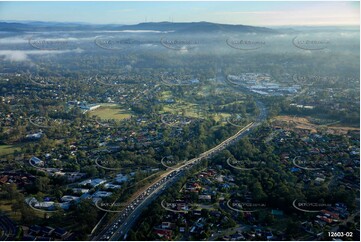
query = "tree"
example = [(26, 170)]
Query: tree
[(258, 193), (91, 171), (10, 190), (42, 184), (18, 203), (292, 228), (86, 215), (27, 215)]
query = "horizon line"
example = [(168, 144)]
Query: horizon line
[(204, 21)]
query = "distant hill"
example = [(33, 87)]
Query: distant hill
[(204, 27), (193, 27)]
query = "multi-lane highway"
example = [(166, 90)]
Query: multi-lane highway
[(118, 229)]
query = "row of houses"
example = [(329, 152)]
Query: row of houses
[(36, 232)]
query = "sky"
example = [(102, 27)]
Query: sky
[(287, 13)]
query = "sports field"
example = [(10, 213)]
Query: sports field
[(111, 111)]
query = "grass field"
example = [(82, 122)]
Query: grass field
[(304, 123), (190, 109), (8, 149), (5, 207), (111, 111), (166, 95), (217, 117)]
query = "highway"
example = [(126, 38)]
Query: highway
[(118, 229)]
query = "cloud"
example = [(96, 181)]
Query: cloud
[(15, 56), (27, 38), (23, 55), (14, 40)]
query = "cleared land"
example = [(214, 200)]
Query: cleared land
[(111, 111), (304, 123), (5, 207), (190, 110), (8, 149), (221, 116), (193, 111)]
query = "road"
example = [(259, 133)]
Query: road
[(120, 226)]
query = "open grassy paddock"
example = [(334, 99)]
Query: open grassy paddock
[(111, 111), (8, 149)]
